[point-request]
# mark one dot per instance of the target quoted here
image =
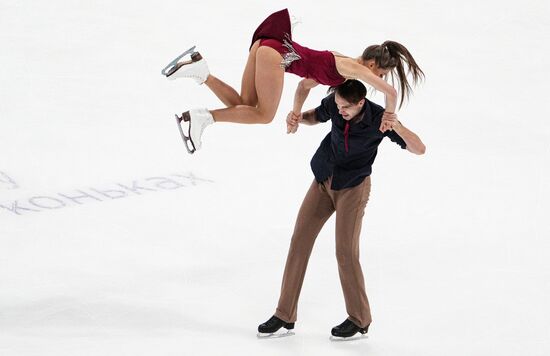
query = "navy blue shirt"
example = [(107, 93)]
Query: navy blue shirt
[(348, 154)]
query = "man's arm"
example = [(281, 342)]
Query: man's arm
[(413, 142), (293, 121), (309, 118)]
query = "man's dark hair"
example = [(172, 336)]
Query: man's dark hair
[(351, 90)]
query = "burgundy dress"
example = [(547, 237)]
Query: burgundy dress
[(320, 66)]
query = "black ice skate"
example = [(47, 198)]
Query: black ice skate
[(270, 327), (346, 330)]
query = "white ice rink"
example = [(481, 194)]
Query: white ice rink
[(115, 241)]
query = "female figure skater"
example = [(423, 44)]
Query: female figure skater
[(272, 53)]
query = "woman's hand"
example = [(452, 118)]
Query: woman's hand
[(292, 122), (389, 121)]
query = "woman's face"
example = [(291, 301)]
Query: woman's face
[(379, 72)]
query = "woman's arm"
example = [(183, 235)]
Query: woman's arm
[(349, 68), (302, 91)]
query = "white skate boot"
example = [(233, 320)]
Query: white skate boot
[(196, 68), (294, 21), (198, 120)]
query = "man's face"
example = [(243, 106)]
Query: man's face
[(347, 109)]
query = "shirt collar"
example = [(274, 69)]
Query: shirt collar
[(363, 115)]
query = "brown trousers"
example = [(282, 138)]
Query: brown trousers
[(318, 205)]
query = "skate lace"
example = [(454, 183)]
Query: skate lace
[(194, 76), (198, 77), (203, 124)]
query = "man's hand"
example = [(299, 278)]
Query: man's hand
[(389, 122), (292, 122), (412, 141)]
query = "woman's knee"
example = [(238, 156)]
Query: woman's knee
[(264, 117)]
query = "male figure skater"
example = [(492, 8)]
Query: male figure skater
[(342, 168)]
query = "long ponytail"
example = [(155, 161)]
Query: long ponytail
[(393, 55)]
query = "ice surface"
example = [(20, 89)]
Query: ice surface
[(454, 245)]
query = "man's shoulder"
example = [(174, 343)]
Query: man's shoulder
[(327, 109), (372, 113), (374, 108), (329, 100)]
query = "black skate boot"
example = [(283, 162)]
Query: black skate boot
[(348, 329), (273, 325)]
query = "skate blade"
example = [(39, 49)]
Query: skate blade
[(275, 335), (189, 145), (348, 339), (195, 57), (171, 67)]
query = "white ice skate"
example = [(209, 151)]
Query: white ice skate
[(195, 68), (294, 21), (198, 120)]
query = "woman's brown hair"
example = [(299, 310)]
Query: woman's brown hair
[(393, 56)]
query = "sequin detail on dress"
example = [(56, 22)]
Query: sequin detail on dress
[(291, 55)]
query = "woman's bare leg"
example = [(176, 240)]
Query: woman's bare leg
[(248, 83), (227, 94), (268, 78), (223, 91)]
